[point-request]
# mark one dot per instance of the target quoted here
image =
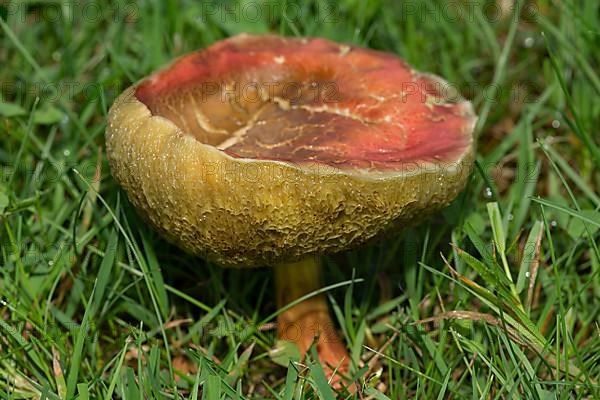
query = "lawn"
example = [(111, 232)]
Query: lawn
[(495, 297)]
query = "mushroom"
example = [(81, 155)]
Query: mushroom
[(272, 151)]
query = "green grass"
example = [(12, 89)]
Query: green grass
[(496, 297)]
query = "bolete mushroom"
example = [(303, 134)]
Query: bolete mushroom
[(271, 151)]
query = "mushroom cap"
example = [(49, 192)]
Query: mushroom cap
[(227, 164)]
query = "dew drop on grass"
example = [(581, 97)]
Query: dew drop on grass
[(527, 274), (511, 217), (528, 42), (67, 153), (556, 124), (487, 193), (50, 263), (553, 223)]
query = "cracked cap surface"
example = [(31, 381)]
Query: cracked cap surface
[(261, 149)]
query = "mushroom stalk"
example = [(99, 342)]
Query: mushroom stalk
[(308, 321)]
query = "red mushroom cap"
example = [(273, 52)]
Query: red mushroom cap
[(312, 100)]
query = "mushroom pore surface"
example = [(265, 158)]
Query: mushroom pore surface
[(311, 100)]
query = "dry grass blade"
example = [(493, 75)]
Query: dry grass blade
[(373, 361), (61, 385), (534, 266), (476, 316)]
